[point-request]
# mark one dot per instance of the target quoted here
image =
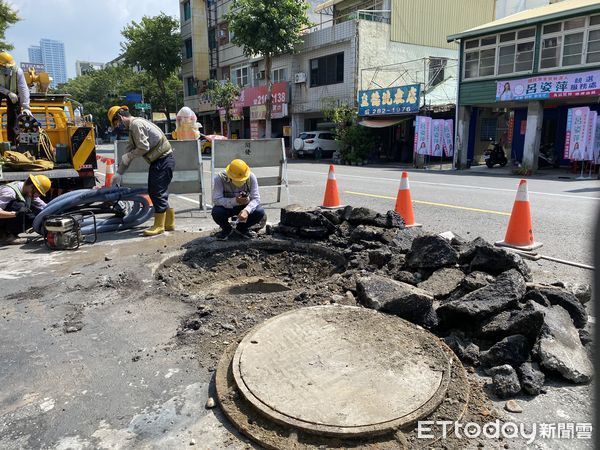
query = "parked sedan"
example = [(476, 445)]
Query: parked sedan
[(315, 143)]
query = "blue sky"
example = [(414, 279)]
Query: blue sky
[(90, 29)]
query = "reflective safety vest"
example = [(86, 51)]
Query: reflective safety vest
[(18, 194), (163, 147), (10, 81), (229, 188)]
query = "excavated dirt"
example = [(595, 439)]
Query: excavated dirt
[(236, 286)]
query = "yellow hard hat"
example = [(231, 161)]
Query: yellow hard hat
[(41, 182), (238, 170), (113, 110), (6, 60)]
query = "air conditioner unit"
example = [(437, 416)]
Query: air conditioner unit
[(300, 77), (260, 75)]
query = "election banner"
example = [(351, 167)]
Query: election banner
[(592, 119), (448, 145), (422, 143), (580, 84), (597, 143), (576, 135), (437, 137)]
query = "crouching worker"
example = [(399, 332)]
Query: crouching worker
[(149, 142), (20, 202), (235, 193)]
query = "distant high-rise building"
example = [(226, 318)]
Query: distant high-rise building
[(51, 54), (83, 67), (35, 54)]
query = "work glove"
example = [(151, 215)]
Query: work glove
[(126, 159), (14, 98), (116, 180), (27, 111)]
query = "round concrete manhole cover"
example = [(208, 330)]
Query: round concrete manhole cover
[(341, 371)]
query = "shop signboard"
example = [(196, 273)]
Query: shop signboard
[(257, 95), (576, 135), (393, 100), (549, 86), (278, 111), (448, 137), (422, 143)]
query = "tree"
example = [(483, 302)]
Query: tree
[(268, 28), (356, 141), (155, 45), (8, 17), (223, 94)]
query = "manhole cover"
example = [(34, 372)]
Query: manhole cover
[(341, 371)]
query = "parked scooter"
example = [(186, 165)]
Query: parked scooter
[(495, 155), (547, 158)]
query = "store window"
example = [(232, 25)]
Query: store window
[(573, 42), (188, 48), (505, 53), (327, 70), (279, 75), (239, 76), (187, 10), (489, 127), (191, 88)]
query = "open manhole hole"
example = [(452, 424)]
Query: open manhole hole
[(256, 286), (335, 373)]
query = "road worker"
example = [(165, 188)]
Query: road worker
[(148, 141), (20, 202), (235, 193), (13, 89)]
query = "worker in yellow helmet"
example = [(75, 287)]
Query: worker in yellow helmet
[(148, 141), (14, 90), (235, 193), (20, 202)]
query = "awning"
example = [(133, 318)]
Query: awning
[(382, 123), (327, 4)]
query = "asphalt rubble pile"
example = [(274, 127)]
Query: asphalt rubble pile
[(479, 298)]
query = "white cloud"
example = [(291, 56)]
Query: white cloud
[(90, 29)]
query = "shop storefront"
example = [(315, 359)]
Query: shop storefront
[(249, 112), (531, 83)]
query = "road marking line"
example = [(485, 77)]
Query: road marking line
[(397, 180), (422, 202)]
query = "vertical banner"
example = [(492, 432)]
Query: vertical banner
[(597, 143), (592, 119), (422, 135), (448, 137), (437, 137), (576, 136)]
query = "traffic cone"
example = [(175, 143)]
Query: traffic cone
[(404, 205), (110, 172), (332, 196), (519, 234)]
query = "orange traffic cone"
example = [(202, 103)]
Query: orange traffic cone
[(110, 172), (332, 197), (404, 205), (519, 234)]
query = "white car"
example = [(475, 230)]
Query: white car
[(315, 143)]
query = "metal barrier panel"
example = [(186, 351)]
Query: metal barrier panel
[(257, 153), (188, 176)]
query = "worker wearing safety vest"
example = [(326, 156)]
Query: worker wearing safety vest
[(20, 202), (13, 89), (148, 141), (235, 193)]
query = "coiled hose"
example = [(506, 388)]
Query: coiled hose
[(85, 198)]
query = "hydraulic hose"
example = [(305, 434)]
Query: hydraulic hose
[(84, 198)]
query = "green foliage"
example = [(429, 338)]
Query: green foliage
[(8, 17), (155, 44), (268, 28), (98, 90), (223, 95), (356, 141)]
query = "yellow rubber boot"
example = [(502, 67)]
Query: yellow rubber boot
[(158, 227), (170, 220)]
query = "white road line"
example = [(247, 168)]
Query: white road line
[(397, 180)]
